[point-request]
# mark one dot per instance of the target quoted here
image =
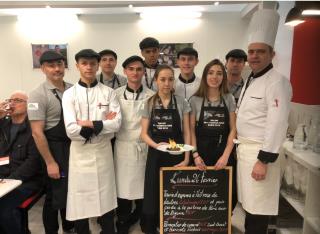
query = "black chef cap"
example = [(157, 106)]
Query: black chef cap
[(87, 53), (50, 56), (188, 51), (132, 59), (149, 42), (108, 52), (237, 53)]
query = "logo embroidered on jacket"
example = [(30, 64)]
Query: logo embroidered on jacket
[(33, 106), (100, 105)]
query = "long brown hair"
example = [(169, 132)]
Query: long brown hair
[(160, 68), (203, 88)]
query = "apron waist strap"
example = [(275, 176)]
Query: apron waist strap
[(131, 141), (244, 140)]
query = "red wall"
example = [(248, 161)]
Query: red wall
[(305, 65)]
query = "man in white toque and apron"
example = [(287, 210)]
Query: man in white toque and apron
[(92, 116), (130, 150), (262, 121)]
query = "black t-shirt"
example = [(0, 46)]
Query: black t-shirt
[(14, 131)]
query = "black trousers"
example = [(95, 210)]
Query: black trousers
[(10, 215), (50, 215), (127, 217), (233, 163), (256, 224), (106, 222)]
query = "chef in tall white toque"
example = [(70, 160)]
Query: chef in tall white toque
[(262, 121)]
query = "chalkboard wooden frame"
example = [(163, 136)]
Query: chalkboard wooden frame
[(163, 170)]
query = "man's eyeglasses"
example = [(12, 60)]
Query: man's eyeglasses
[(15, 100)]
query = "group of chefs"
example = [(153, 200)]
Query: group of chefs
[(99, 138)]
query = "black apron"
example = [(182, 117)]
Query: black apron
[(212, 131), (59, 145), (164, 124)]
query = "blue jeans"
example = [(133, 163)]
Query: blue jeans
[(10, 215)]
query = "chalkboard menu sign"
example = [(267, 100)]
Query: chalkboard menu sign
[(194, 201)]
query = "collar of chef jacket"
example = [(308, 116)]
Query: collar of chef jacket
[(151, 67), (94, 83), (262, 72), (187, 81)]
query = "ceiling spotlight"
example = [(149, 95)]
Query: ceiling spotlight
[(216, 3), (294, 17), (130, 6), (48, 7)]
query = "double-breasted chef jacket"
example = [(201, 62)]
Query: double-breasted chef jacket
[(186, 88), (91, 184), (262, 121), (130, 150)]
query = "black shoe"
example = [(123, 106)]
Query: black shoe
[(122, 228), (70, 231), (134, 217)]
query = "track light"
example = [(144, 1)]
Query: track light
[(294, 17), (301, 11)]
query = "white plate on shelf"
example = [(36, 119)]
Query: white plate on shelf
[(183, 148)]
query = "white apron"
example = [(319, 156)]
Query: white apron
[(91, 190), (130, 151), (257, 197)]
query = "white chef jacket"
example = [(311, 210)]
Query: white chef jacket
[(148, 78), (262, 121), (262, 114), (81, 103), (186, 90)]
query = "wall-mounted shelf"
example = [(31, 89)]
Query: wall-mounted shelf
[(296, 204), (310, 210)]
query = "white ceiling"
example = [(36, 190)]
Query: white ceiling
[(121, 7)]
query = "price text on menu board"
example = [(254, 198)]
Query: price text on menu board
[(194, 201)]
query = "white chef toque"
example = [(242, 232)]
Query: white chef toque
[(263, 27)]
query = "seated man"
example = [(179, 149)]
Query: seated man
[(16, 142)]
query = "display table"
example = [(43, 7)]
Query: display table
[(310, 209), (7, 185)]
